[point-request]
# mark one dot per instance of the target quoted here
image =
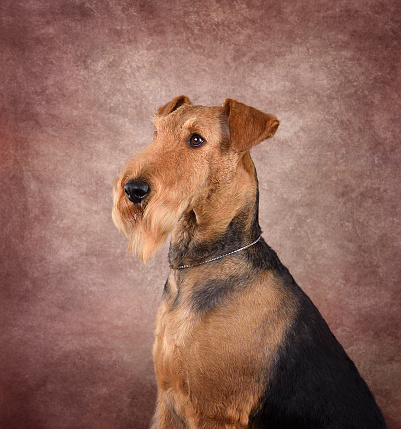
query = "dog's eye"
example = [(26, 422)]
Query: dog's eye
[(196, 140)]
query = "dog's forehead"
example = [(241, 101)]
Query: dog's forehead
[(190, 118)]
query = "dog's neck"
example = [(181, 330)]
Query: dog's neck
[(199, 237)]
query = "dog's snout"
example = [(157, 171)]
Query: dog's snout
[(136, 190)]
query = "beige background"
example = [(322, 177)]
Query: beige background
[(80, 80)]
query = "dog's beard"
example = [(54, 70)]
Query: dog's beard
[(148, 225), (158, 220)]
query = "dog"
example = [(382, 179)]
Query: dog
[(238, 344)]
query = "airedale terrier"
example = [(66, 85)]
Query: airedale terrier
[(238, 343)]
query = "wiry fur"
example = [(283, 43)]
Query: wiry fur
[(193, 187), (147, 225), (237, 344)]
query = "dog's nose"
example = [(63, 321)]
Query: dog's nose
[(136, 190)]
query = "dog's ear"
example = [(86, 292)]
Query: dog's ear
[(173, 105), (247, 125)]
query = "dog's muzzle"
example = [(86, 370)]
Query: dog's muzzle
[(136, 190)]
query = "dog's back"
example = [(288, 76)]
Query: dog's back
[(313, 383)]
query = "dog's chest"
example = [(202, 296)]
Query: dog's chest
[(197, 345), (175, 335), (221, 349)]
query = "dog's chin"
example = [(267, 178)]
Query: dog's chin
[(144, 246), (152, 228)]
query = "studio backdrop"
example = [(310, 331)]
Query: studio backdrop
[(79, 83)]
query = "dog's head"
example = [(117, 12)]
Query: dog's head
[(197, 167)]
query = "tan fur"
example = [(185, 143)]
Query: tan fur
[(194, 356), (211, 368), (182, 178)]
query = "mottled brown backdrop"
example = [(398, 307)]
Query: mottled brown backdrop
[(80, 80)]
